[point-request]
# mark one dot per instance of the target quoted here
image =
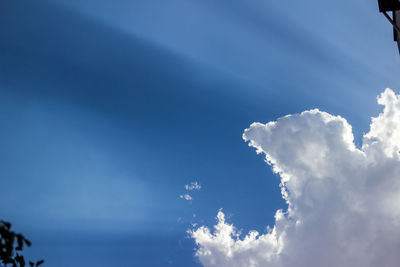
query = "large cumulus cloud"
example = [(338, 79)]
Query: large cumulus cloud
[(343, 202)]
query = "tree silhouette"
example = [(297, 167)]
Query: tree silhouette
[(11, 245)]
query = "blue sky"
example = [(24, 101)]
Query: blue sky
[(107, 109)]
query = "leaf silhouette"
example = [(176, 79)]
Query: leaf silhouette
[(10, 243), (20, 241), (20, 259)]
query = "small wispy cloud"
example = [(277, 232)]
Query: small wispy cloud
[(186, 197), (193, 186)]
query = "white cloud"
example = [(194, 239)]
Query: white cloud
[(193, 186), (186, 197), (190, 187), (343, 202)]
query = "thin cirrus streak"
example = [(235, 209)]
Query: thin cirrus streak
[(342, 200)]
